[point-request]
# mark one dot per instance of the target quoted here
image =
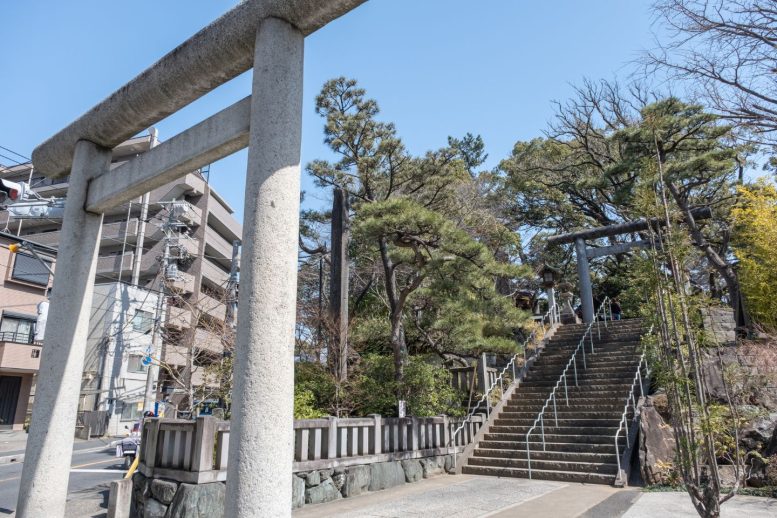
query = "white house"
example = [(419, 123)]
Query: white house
[(121, 329)]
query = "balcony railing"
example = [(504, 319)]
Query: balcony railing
[(18, 338)]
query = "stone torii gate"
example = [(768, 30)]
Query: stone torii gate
[(584, 253), (268, 36)]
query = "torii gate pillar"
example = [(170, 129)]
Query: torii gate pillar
[(262, 444), (584, 278)]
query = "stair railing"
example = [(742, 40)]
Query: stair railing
[(551, 317), (631, 401), (540, 420)]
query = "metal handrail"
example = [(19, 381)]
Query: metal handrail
[(631, 400), (553, 316), (603, 307)]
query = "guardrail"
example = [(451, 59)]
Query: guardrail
[(552, 316), (631, 400), (197, 451), (603, 310)]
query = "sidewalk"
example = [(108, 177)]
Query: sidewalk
[(468, 496)]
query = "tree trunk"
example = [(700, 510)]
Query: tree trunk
[(398, 343), (399, 348), (338, 287), (724, 269)]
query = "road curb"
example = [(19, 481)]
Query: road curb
[(19, 458)]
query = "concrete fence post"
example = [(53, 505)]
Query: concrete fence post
[(261, 453), (332, 438), (377, 434), (204, 443), (43, 486), (120, 498)]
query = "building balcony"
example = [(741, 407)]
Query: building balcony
[(112, 233), (19, 352), (190, 214), (212, 307), (112, 264), (190, 184), (179, 318), (217, 246), (208, 341), (213, 274), (183, 284), (221, 219)]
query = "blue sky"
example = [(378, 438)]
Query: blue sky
[(436, 67)]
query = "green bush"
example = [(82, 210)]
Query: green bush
[(426, 387)]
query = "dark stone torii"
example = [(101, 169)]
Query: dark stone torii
[(583, 254)]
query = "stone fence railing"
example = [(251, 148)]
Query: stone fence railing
[(196, 452)]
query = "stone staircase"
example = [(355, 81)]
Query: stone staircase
[(582, 447)]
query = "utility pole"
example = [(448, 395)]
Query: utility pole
[(142, 221), (232, 286), (159, 319)]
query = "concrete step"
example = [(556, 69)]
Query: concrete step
[(569, 415), (564, 420), (552, 429), (604, 438), (554, 465), (565, 456), (538, 474), (560, 447)]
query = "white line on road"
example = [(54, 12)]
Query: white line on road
[(98, 471)]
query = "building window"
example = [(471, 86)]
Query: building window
[(135, 364), (131, 411), (27, 268), (14, 329), (35, 353), (143, 321)]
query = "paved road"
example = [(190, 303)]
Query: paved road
[(91, 473)]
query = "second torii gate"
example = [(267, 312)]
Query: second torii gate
[(584, 253)]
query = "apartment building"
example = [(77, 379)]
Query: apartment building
[(132, 247), (24, 282), (120, 337)]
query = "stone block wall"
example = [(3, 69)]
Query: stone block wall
[(160, 498)]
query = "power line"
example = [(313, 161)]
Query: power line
[(28, 159)]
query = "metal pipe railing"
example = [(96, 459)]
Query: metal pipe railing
[(638, 380), (552, 316), (540, 420)]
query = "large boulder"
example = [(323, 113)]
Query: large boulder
[(656, 446), (384, 475), (413, 470), (312, 479), (357, 480), (757, 435), (154, 509), (297, 492), (433, 466), (163, 490), (198, 501), (324, 492)]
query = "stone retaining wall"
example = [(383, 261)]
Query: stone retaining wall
[(160, 498)]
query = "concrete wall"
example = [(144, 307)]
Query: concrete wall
[(162, 497)]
